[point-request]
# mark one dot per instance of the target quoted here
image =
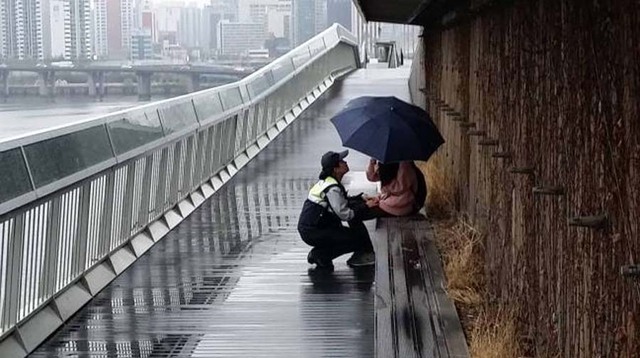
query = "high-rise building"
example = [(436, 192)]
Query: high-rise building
[(80, 43), (237, 38), (227, 9), (4, 26), (57, 20), (320, 16), (190, 27), (141, 48), (275, 15), (22, 30), (99, 17), (112, 27), (339, 11), (167, 23), (304, 20), (127, 19), (149, 21)]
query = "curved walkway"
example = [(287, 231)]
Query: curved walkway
[(232, 279)]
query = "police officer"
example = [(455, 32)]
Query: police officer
[(320, 222)]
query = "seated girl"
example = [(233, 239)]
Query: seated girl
[(402, 191)]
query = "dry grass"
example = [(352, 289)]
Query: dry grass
[(462, 254), (495, 335), (440, 187), (491, 329)]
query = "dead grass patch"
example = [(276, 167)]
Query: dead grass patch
[(440, 187), (491, 329), (495, 335), (461, 248)]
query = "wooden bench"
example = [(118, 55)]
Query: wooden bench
[(414, 317)]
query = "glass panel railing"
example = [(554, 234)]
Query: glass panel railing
[(300, 57), (231, 98), (208, 106), (59, 157), (260, 84), (14, 180), (177, 117), (281, 70), (135, 130)]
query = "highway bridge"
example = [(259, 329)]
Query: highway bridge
[(95, 74)]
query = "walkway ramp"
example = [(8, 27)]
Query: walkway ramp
[(232, 279)]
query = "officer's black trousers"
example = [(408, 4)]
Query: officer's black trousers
[(335, 241)]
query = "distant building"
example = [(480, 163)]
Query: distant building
[(167, 23), (57, 18), (310, 18), (278, 20), (22, 30), (80, 43), (148, 21), (113, 23), (238, 38), (190, 27), (339, 11), (127, 27), (227, 9), (275, 15), (99, 16), (45, 29), (211, 18), (141, 45), (320, 16), (174, 52)]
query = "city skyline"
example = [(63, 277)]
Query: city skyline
[(175, 30)]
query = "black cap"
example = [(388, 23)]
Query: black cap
[(331, 160)]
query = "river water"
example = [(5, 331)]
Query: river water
[(23, 115)]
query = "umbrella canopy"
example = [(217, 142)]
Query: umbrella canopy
[(387, 129)]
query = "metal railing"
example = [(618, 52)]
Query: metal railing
[(80, 203)]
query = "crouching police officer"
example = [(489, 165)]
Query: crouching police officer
[(320, 222)]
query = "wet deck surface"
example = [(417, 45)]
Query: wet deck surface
[(232, 279)]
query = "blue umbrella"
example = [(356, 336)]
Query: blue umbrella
[(387, 129)]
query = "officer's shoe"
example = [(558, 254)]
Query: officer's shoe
[(359, 259), (320, 262)]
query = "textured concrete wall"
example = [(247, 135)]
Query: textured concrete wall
[(557, 84)]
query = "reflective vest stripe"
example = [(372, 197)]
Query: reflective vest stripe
[(317, 193)]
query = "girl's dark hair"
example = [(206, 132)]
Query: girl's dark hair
[(387, 172)]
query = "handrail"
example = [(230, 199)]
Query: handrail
[(148, 120)]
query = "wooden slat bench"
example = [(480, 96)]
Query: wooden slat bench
[(413, 314)]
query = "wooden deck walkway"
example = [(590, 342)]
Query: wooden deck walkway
[(232, 279)]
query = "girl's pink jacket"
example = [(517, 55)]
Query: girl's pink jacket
[(397, 197)]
